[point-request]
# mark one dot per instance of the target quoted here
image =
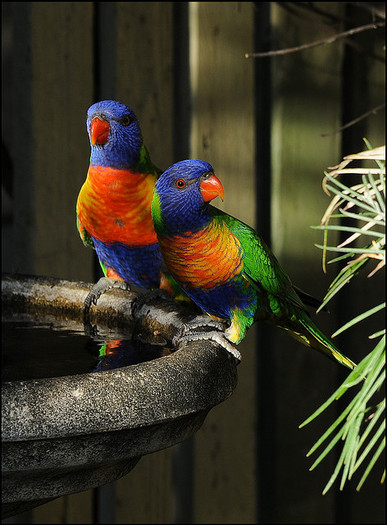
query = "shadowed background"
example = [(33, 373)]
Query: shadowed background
[(181, 67)]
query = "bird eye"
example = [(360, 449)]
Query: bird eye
[(125, 120), (180, 183)]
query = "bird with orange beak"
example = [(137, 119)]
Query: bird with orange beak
[(114, 204), (224, 266)]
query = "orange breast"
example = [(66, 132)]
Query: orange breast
[(206, 259), (115, 206)]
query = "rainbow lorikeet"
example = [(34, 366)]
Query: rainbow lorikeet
[(223, 265), (113, 206)]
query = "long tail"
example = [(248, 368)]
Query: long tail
[(305, 331)]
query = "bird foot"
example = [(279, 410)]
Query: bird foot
[(202, 323), (190, 332), (103, 285), (139, 301)]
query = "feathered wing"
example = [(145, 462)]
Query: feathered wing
[(264, 272), (309, 300), (84, 234), (145, 164), (260, 266)]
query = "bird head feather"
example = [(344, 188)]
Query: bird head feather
[(179, 204), (120, 144)]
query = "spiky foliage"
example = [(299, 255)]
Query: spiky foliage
[(360, 427)]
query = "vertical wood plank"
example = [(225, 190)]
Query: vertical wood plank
[(75, 508), (306, 96), (7, 165), (145, 83), (144, 495), (145, 72), (52, 512), (62, 85), (376, 123), (222, 84), (21, 248)]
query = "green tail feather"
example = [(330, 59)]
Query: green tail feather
[(305, 331)]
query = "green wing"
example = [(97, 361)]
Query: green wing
[(260, 266), (274, 286), (145, 164), (85, 236)]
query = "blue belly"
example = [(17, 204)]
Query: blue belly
[(137, 265), (221, 300)]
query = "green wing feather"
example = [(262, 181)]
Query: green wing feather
[(85, 236), (145, 164), (265, 273), (260, 265)]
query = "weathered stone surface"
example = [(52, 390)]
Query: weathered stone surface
[(67, 434)]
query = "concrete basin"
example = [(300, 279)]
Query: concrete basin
[(70, 433)]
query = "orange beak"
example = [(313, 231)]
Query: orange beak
[(99, 131), (211, 188)]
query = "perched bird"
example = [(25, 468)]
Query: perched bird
[(223, 265), (114, 204)]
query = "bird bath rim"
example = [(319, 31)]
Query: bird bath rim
[(140, 408)]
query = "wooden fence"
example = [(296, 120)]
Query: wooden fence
[(182, 68)]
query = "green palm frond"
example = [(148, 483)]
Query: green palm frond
[(360, 427)]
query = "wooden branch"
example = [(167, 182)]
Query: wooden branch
[(355, 121), (323, 42)]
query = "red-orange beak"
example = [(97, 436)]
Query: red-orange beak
[(211, 188), (99, 131)]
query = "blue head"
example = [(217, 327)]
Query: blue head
[(115, 135), (182, 194)]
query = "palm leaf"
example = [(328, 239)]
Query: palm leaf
[(359, 429)]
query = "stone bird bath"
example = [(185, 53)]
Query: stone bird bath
[(69, 433)]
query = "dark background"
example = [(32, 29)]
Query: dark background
[(181, 67)]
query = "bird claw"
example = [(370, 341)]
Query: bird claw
[(189, 332), (199, 325), (100, 287), (139, 301)]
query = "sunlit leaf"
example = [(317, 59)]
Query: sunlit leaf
[(360, 426), (359, 318)]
